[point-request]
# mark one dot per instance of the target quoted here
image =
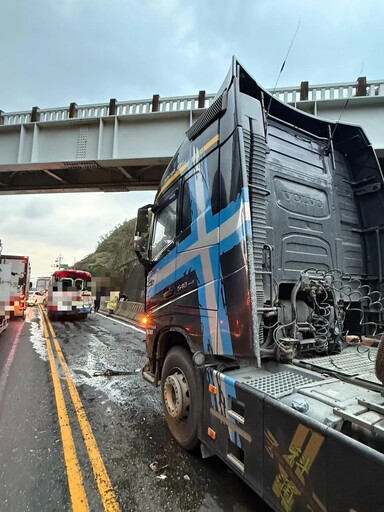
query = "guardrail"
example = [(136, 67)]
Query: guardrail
[(291, 95)]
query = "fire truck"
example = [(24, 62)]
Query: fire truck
[(20, 284), (264, 255), (5, 287)]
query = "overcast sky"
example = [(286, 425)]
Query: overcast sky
[(88, 51)]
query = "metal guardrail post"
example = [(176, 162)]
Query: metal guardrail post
[(72, 110), (201, 100), (34, 114), (361, 89), (156, 103), (112, 107), (304, 89)]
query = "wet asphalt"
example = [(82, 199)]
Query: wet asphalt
[(126, 417)]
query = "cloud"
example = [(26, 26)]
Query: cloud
[(71, 225), (89, 51)]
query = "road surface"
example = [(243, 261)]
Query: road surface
[(70, 440)]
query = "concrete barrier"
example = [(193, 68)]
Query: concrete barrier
[(127, 310), (103, 304)]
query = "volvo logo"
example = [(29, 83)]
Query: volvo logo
[(301, 198)]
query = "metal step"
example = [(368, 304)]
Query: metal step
[(149, 377), (236, 462), (358, 363), (280, 384), (371, 417), (236, 416)]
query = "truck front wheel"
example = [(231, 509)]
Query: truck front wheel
[(180, 397)]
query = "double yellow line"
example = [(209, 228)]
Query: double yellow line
[(75, 480)]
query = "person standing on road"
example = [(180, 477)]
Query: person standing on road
[(96, 304)]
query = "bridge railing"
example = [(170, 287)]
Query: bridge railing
[(291, 95), (323, 92), (121, 108)]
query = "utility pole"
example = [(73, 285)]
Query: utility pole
[(59, 260)]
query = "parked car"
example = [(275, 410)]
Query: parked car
[(35, 298)]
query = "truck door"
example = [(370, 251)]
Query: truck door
[(197, 270), (161, 279)]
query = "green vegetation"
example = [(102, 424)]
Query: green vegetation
[(113, 252)]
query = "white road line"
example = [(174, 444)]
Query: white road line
[(8, 364), (122, 323)]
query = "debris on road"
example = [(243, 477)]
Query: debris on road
[(155, 466), (162, 477), (111, 373), (186, 477)]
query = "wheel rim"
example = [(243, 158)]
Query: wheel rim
[(177, 395)]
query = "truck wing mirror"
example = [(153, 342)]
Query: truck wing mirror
[(140, 244)]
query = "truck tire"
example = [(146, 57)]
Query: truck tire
[(180, 397)]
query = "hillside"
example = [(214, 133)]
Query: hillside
[(113, 252), (114, 257)]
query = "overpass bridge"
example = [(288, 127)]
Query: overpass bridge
[(122, 146)]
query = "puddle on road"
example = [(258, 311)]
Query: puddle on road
[(37, 338), (96, 351)]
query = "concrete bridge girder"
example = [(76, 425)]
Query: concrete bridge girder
[(108, 153), (118, 152)]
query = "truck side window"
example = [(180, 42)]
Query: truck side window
[(164, 229)]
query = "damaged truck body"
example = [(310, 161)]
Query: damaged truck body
[(264, 260)]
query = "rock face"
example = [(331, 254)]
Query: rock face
[(114, 256)]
